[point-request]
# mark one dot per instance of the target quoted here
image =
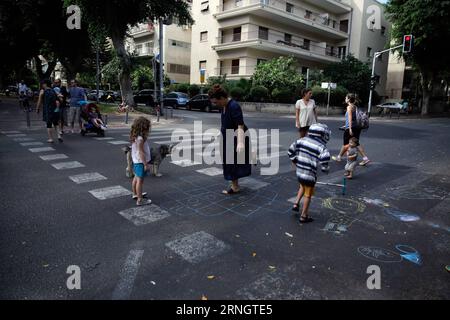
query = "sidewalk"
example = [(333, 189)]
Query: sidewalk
[(117, 120)]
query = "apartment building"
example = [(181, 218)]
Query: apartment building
[(233, 36), (144, 42)]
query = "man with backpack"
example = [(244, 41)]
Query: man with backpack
[(355, 122), (50, 109)]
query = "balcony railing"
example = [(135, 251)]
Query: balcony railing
[(278, 38), (287, 7), (235, 70)]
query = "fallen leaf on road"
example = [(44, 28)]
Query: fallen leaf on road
[(46, 265), (272, 267), (238, 236), (204, 297), (289, 235), (211, 277), (153, 283)]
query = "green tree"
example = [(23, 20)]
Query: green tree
[(116, 16), (142, 75), (278, 73), (429, 22), (351, 74)]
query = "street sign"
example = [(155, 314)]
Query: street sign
[(327, 85)]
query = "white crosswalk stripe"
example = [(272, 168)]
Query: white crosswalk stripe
[(18, 135), (45, 149), (87, 177), (10, 132), (110, 192), (104, 138), (67, 165), (23, 139), (51, 157), (31, 144), (119, 142)]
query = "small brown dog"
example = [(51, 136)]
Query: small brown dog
[(157, 155)]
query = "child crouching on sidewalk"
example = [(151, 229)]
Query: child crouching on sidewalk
[(306, 154), (140, 152)]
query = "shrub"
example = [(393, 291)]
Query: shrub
[(282, 95), (259, 94), (183, 87), (193, 90), (237, 93), (337, 97)]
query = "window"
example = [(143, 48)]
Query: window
[(288, 37), (383, 31), (203, 36), (343, 26), (263, 33), (202, 65), (289, 7), (330, 50), (304, 70), (178, 68), (204, 6), (342, 52), (334, 24), (237, 34), (306, 44), (180, 44), (380, 58), (369, 52), (235, 66), (308, 14)]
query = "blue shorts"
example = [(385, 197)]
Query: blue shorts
[(139, 170)]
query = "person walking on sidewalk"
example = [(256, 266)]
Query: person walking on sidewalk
[(305, 112), (61, 92), (351, 129), (77, 94), (50, 109)]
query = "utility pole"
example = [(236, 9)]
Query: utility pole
[(161, 65), (97, 78)]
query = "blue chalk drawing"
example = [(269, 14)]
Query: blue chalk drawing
[(409, 253), (402, 216)]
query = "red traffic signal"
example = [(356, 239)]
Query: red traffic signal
[(407, 43)]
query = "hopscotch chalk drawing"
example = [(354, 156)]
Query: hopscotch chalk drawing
[(346, 212), (388, 256)]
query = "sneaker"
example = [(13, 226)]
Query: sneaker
[(144, 194), (364, 162), (143, 202), (336, 158), (103, 127)]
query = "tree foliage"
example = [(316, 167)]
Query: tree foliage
[(278, 73), (429, 22), (351, 74)]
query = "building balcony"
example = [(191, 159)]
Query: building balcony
[(287, 13), (276, 42), (235, 72), (142, 30)]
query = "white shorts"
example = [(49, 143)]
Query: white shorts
[(74, 115)]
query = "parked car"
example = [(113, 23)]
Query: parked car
[(392, 106), (111, 96), (176, 99), (92, 95), (145, 96), (202, 102)]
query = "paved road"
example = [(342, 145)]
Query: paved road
[(71, 205)]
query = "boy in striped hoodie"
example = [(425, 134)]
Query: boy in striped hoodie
[(306, 154)]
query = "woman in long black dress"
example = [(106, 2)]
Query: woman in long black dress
[(232, 119)]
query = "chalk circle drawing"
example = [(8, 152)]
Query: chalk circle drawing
[(388, 256), (380, 254), (418, 193), (345, 211), (344, 205)]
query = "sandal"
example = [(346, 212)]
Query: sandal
[(144, 194), (230, 191), (305, 220), (296, 208)]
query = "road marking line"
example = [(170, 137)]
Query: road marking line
[(11, 132), (16, 135), (128, 275), (186, 163), (67, 165), (118, 142), (51, 157), (198, 247), (87, 177), (143, 215), (212, 172), (45, 149), (110, 192), (104, 138), (23, 139), (31, 144)]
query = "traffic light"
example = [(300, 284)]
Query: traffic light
[(374, 80), (407, 43)]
